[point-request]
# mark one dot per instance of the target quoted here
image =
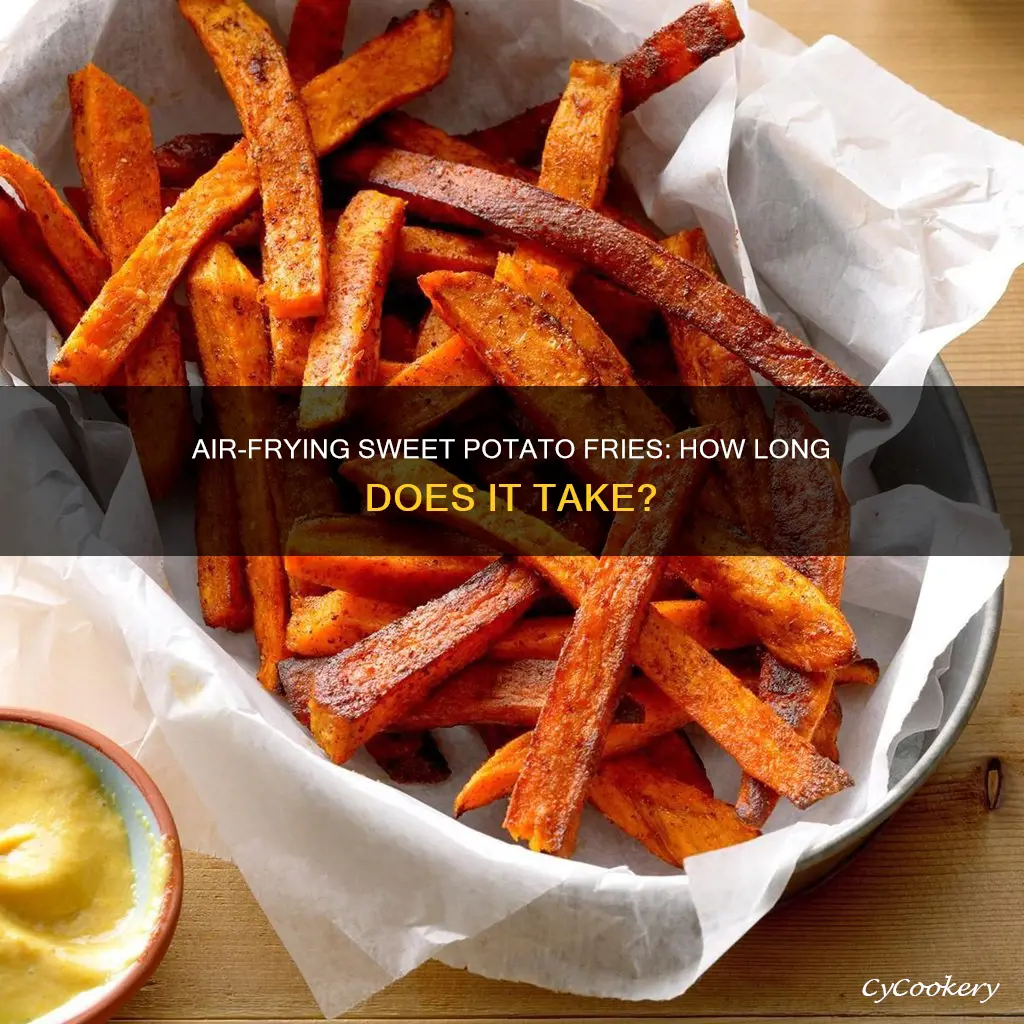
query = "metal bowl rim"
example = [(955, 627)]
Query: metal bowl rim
[(856, 831)]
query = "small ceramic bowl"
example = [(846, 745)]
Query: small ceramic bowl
[(147, 818)]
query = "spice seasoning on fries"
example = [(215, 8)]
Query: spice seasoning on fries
[(525, 275)]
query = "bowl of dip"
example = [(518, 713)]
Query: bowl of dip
[(90, 872)]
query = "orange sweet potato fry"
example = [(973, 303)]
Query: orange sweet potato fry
[(316, 37), (863, 672), (388, 370), (673, 52), (234, 352), (254, 70), (433, 333), (360, 692), (114, 148), (632, 260), (25, 254), (223, 594), (722, 392), (411, 57), (810, 510), (329, 623), (76, 253), (786, 611), (422, 250), (672, 818), (345, 350)]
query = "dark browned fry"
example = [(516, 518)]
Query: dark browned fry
[(363, 690), (670, 54), (634, 261), (409, 758), (316, 37), (184, 159)]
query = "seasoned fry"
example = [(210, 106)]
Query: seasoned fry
[(672, 818), (361, 691), (411, 57), (114, 148), (255, 73), (223, 594), (810, 509), (675, 755), (69, 243), (25, 254), (422, 250), (769, 598), (234, 352), (183, 160), (289, 342), (316, 37), (329, 623), (863, 672), (345, 350), (568, 741), (673, 52), (634, 261), (409, 758), (722, 392)]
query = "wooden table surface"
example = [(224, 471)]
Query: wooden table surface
[(939, 889)]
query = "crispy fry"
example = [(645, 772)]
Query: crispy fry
[(673, 52), (768, 598), (223, 594), (361, 691), (433, 333), (114, 148), (863, 672), (234, 352), (326, 624), (810, 509), (183, 160), (316, 38), (25, 254), (722, 392), (675, 755), (568, 741), (255, 73), (289, 342), (411, 57), (422, 250), (69, 243), (826, 736), (632, 260), (672, 818), (345, 350), (409, 758)]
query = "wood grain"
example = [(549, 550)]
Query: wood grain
[(938, 890)]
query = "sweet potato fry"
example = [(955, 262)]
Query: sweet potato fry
[(672, 818), (332, 622), (389, 369), (345, 350), (361, 691), (632, 260), (568, 741), (767, 597), (408, 59), (722, 393), (623, 316), (316, 38), (409, 758), (223, 594), (76, 253), (863, 672), (114, 148), (422, 250), (673, 52), (289, 342), (675, 755), (25, 254), (826, 736), (183, 160), (234, 352), (811, 510), (254, 71)]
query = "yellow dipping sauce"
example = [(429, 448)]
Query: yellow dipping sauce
[(67, 885)]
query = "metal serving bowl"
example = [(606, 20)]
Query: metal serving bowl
[(939, 451)]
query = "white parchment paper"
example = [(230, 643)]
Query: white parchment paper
[(862, 214)]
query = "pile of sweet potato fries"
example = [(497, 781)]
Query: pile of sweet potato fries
[(306, 247)]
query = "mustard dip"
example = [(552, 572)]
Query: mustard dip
[(67, 885)]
